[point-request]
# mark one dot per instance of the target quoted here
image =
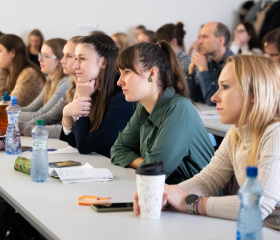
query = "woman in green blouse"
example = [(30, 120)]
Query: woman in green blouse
[(165, 125)]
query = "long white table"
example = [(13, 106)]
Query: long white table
[(52, 207), (213, 126)]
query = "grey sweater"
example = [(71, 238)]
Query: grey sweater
[(52, 120), (37, 107)]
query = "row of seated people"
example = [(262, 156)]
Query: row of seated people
[(98, 114)]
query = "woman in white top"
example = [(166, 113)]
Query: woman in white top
[(246, 40), (248, 98)]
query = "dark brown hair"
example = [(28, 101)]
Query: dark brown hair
[(160, 55), (20, 61), (56, 44), (222, 31), (273, 37), (170, 31), (141, 27), (254, 41), (37, 33), (105, 47)]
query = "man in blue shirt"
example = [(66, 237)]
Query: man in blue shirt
[(213, 40)]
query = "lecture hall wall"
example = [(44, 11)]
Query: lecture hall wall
[(67, 18)]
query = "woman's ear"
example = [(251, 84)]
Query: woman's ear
[(153, 72), (13, 53), (103, 64)]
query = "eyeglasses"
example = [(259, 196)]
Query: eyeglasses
[(239, 31), (44, 57)]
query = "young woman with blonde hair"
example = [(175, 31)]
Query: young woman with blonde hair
[(248, 98), (18, 75), (57, 82), (54, 116)]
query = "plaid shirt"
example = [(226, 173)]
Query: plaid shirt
[(184, 61)]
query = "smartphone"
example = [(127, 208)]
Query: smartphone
[(113, 207), (68, 163)]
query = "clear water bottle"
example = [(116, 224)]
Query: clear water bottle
[(39, 159), (12, 140), (249, 222)]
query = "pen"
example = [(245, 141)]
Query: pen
[(49, 150)]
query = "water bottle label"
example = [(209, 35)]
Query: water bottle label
[(39, 145), (11, 118)]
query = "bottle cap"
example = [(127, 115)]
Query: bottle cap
[(40, 122), (151, 169), (13, 99), (252, 171), (6, 97)]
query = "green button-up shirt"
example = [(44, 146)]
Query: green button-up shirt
[(172, 133)]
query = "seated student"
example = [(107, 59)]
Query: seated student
[(57, 82), (35, 42), (174, 35), (147, 36), (165, 125), (245, 40), (54, 116), (271, 45), (139, 29), (92, 121), (18, 75), (249, 98), (213, 40), (121, 40)]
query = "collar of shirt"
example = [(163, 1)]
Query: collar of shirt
[(224, 58), (180, 52), (159, 109)]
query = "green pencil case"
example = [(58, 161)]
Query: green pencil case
[(23, 164)]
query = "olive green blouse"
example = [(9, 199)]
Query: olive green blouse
[(172, 133)]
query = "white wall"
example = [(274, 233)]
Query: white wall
[(61, 18)]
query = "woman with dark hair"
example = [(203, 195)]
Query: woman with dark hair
[(174, 35), (18, 75), (35, 42), (165, 125), (57, 82), (245, 40), (92, 121), (147, 36)]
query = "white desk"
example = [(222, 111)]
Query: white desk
[(52, 207), (213, 126)]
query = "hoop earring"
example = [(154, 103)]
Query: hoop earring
[(150, 79)]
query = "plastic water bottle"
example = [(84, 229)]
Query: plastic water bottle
[(12, 140), (249, 223), (39, 159)]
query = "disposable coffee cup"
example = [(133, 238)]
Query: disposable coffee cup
[(150, 179)]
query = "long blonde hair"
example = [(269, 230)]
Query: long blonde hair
[(258, 78), (56, 44)]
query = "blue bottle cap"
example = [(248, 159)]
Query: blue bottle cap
[(252, 171), (6, 97), (13, 99)]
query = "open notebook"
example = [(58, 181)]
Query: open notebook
[(85, 173)]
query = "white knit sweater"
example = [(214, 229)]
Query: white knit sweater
[(225, 162)]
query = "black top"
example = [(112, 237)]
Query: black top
[(117, 113), (34, 58)]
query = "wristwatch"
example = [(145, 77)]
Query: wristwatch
[(190, 202)]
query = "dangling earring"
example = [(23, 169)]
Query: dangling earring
[(150, 79)]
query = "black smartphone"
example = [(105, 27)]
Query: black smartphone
[(113, 207), (68, 163)]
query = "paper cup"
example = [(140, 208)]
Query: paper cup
[(150, 191)]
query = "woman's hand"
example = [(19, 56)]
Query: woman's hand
[(79, 106), (172, 194), (86, 89)]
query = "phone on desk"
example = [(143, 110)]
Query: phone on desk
[(68, 163), (113, 207)]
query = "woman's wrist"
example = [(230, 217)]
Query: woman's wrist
[(201, 206)]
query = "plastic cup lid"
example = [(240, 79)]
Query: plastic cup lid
[(151, 169), (40, 122)]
